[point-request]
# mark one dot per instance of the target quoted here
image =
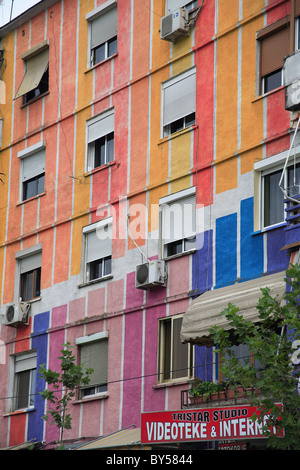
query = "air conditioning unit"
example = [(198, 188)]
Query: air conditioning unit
[(174, 25), (150, 274), (17, 314)]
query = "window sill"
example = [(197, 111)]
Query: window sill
[(179, 255), (93, 67), (18, 412), (92, 398), (20, 203), (95, 281), (177, 134), (34, 99), (271, 227), (99, 168), (171, 383), (265, 95)]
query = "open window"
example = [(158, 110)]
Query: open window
[(35, 81), (102, 24), (25, 365), (100, 140), (32, 171)]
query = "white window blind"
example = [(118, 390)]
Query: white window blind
[(28, 263), (100, 125), (179, 97), (104, 27), (98, 240), (34, 165), (25, 362), (95, 356), (179, 219), (36, 65)]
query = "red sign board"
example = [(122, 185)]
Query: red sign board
[(205, 424)]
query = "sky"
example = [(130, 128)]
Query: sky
[(19, 6)]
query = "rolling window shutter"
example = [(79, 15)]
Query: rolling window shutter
[(179, 98), (95, 356), (274, 48), (28, 263), (104, 27), (34, 165), (99, 243), (179, 219), (25, 362), (36, 66), (100, 126)]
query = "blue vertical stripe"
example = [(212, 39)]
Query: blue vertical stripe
[(226, 250)]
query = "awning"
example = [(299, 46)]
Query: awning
[(123, 439), (36, 66), (204, 311), (25, 445)]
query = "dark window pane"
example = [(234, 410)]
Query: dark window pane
[(189, 243), (30, 189), (166, 350), (177, 125), (99, 54), (23, 381), (174, 248), (272, 81), (107, 266), (43, 87), (273, 199), (40, 184), (96, 269), (110, 148), (31, 284), (37, 283), (190, 120), (99, 152), (112, 46), (180, 352)]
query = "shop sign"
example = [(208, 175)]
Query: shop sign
[(201, 425)]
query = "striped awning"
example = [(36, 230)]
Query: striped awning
[(123, 439), (204, 312)]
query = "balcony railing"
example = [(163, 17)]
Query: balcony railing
[(227, 397), (292, 213)]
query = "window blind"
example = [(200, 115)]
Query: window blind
[(99, 243), (34, 165), (28, 263), (95, 355), (274, 48), (100, 126), (179, 97), (104, 27), (25, 362), (179, 219), (36, 66)]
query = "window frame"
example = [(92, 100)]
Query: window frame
[(100, 128), (33, 258), (166, 124), (30, 366), (165, 206), (94, 15), (37, 154), (90, 230), (266, 167), (100, 390), (161, 357)]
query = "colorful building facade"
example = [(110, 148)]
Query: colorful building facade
[(106, 128)]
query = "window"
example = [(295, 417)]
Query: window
[(175, 359), (272, 198), (35, 82), (94, 354), (32, 171), (29, 268), (274, 46), (102, 32), (98, 250), (100, 140), (178, 222), (179, 102), (24, 380)]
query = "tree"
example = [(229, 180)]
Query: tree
[(63, 386), (273, 341)]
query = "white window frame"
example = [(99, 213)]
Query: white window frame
[(94, 229), (166, 123), (26, 361), (98, 127), (37, 155), (85, 341), (90, 17), (165, 206), (161, 353), (265, 167), (32, 257)]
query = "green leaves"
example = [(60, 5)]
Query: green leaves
[(271, 344), (62, 387)]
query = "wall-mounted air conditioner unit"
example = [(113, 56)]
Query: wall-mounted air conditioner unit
[(150, 274), (16, 314), (291, 81), (175, 24)]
